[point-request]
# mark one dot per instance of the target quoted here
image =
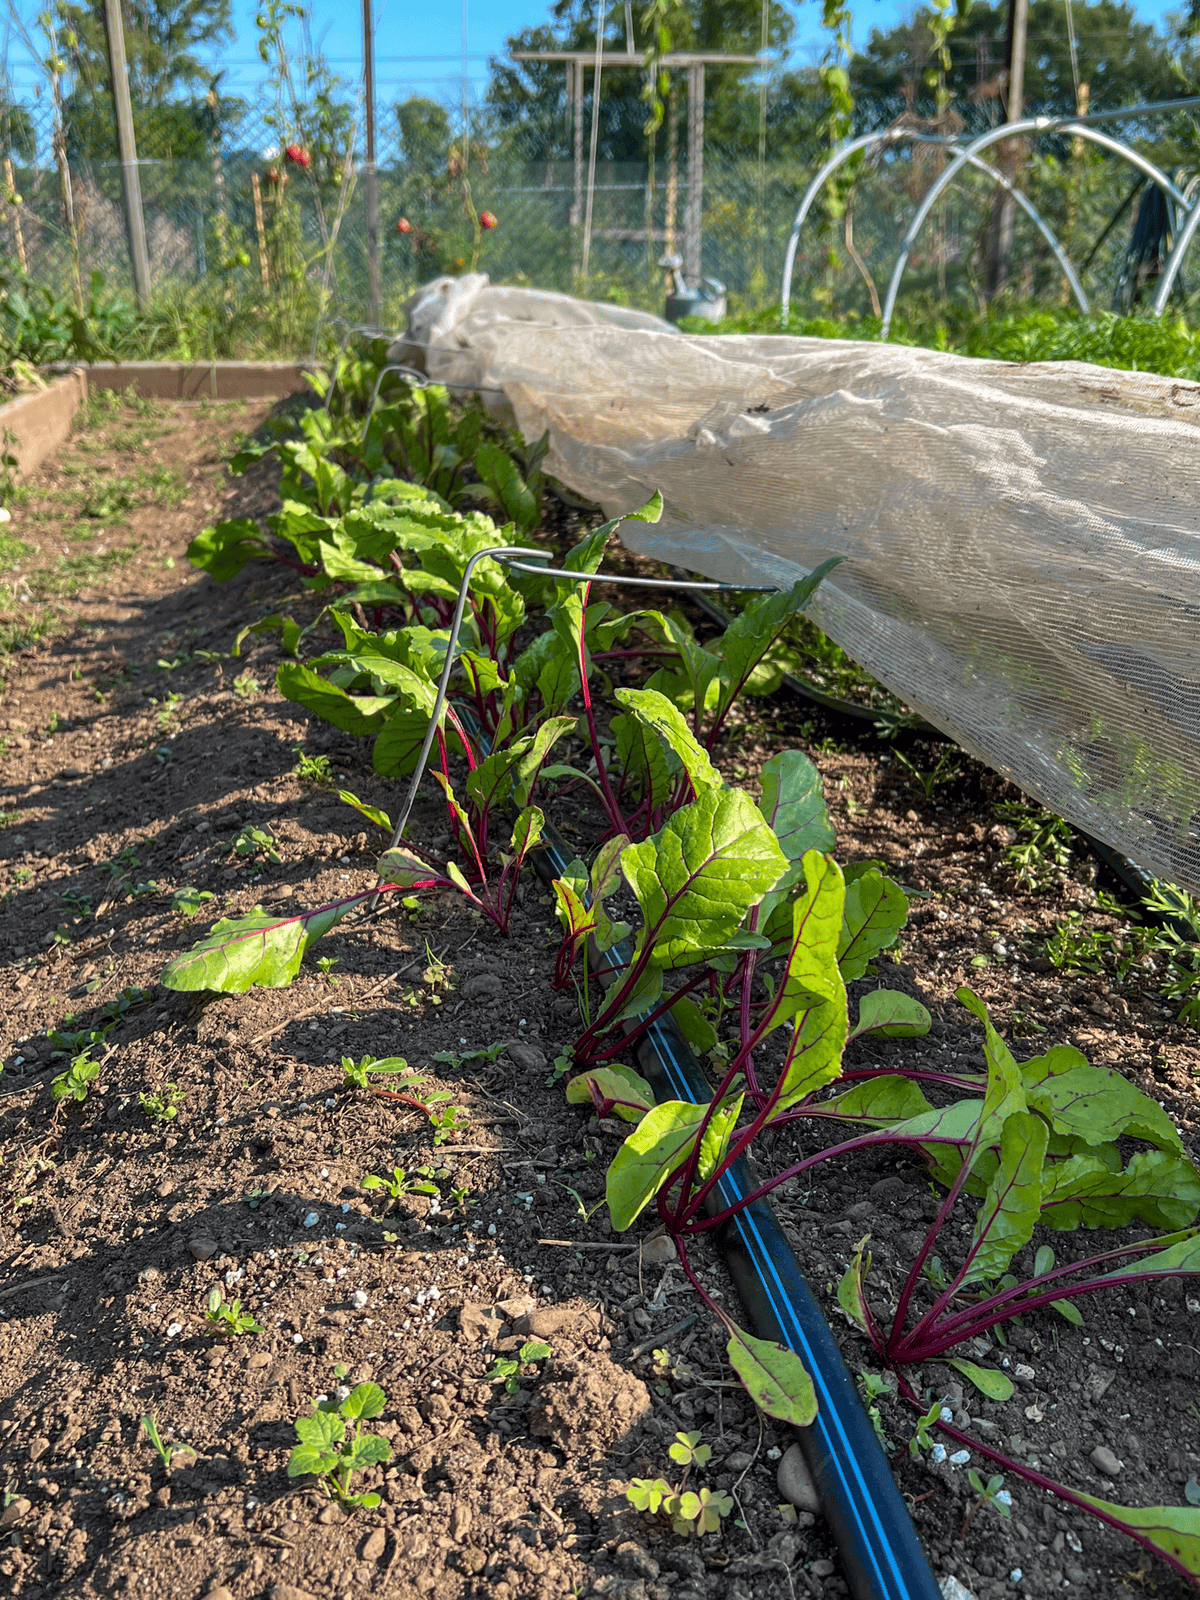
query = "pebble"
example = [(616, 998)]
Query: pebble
[(795, 1483), (637, 1561), (1103, 1459), (373, 1545), (658, 1252), (822, 1569), (218, 1593), (202, 1248), (358, 1299), (952, 1589), (460, 1520), (289, 1591), (526, 1057), (546, 1323), (484, 986), (14, 1511), (738, 1461)]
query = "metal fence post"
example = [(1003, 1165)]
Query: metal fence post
[(131, 184), (370, 186)]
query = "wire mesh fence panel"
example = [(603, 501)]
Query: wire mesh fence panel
[(247, 246)]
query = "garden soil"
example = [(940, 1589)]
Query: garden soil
[(136, 750)]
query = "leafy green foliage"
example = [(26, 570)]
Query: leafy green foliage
[(163, 1106), (506, 1369), (76, 1082), (334, 1445), (228, 1317)]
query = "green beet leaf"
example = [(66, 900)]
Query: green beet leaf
[(694, 1026), (749, 636), (876, 910), (698, 876), (406, 871), (1094, 1103), (1177, 1253), (1156, 1188), (811, 976), (987, 1380), (355, 714), (794, 806), (879, 1103), (891, 1015), (1173, 1531), (774, 1376), (657, 712), (629, 1095), (659, 1144), (1013, 1201), (225, 548), (852, 1289), (238, 954)]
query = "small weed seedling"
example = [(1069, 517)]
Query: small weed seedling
[(507, 1368), (246, 687), (162, 1107), (250, 840), (400, 1184), (693, 1513), (444, 1117), (166, 1452), (326, 964), (992, 1493), (76, 1082), (187, 901), (334, 1446), (223, 1317), (458, 1058), (312, 769)]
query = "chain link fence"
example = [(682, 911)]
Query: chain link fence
[(264, 246)]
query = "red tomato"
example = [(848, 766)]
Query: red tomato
[(403, 225), (297, 154), (486, 220)]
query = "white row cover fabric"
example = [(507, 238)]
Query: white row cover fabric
[(1022, 541)]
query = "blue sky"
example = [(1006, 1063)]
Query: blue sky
[(419, 46)]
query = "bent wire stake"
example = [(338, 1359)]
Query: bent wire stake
[(517, 557)]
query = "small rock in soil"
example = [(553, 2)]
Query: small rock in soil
[(795, 1481), (15, 1511), (484, 986), (219, 1593), (526, 1057), (546, 1323), (1103, 1459), (632, 1558), (952, 1589), (658, 1252), (373, 1545), (479, 1322), (289, 1591), (202, 1248)]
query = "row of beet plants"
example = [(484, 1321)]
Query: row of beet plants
[(748, 931)]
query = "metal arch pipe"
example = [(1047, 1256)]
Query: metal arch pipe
[(1175, 260), (995, 136), (810, 194), (895, 136)]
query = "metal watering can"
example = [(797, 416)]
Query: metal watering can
[(706, 299)]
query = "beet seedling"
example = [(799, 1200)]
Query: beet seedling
[(992, 1493), (76, 1082), (334, 1445)]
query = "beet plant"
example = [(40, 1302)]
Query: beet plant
[(774, 941)]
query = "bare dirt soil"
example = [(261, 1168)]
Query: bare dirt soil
[(136, 750)]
